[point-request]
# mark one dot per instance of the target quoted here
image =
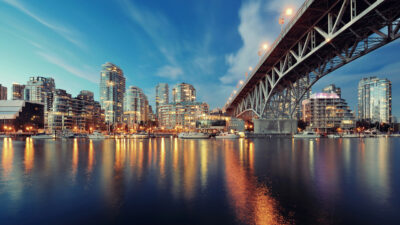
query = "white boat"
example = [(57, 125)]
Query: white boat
[(3, 136), (43, 136), (351, 135), (333, 136), (193, 135), (140, 136), (226, 135), (96, 135), (395, 135), (307, 134)]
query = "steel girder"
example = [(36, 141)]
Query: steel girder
[(347, 30)]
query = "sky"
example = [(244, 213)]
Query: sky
[(207, 43)]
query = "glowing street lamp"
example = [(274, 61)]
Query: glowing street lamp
[(288, 13)]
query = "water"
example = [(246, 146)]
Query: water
[(172, 181)]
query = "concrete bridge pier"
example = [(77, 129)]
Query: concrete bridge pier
[(275, 127)]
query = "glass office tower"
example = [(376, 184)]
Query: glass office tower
[(375, 100), (162, 96), (184, 92), (112, 89)]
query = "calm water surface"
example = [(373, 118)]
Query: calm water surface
[(172, 181)]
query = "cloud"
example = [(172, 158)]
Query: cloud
[(85, 74), (67, 33), (254, 29), (170, 72), (194, 55)]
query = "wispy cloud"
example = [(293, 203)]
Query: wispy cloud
[(254, 29), (56, 60), (171, 72), (190, 57), (67, 33)]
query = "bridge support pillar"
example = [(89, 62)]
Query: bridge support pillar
[(269, 126)]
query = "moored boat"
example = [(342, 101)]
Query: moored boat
[(193, 135), (141, 135), (226, 135), (43, 136), (307, 134), (333, 136), (96, 135), (350, 135)]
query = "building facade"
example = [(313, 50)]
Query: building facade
[(3, 92), (182, 115), (162, 95), (19, 115), (326, 112), (40, 89), (80, 114), (18, 91), (184, 92), (112, 89), (375, 100), (136, 108)]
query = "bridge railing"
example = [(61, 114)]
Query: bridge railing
[(283, 33)]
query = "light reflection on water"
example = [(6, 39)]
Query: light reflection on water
[(168, 180)]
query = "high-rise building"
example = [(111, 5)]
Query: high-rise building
[(375, 100), (40, 89), (3, 93), (136, 106), (112, 89), (184, 92), (77, 114), (333, 89), (326, 111), (181, 115), (162, 96), (18, 91), (61, 117)]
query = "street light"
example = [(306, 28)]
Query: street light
[(288, 13), (262, 49)]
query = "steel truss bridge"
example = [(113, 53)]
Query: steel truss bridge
[(323, 36)]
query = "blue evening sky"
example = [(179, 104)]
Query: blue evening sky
[(208, 43)]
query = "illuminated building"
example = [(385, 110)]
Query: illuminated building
[(18, 91), (3, 92), (16, 115), (182, 115), (375, 100), (184, 92), (112, 89), (41, 90), (332, 89), (162, 96), (77, 114), (326, 112), (136, 108)]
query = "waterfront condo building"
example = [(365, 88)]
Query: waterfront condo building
[(184, 92), (18, 91), (41, 90), (162, 96), (181, 115), (112, 89), (3, 93), (327, 111), (78, 114), (375, 100), (136, 108)]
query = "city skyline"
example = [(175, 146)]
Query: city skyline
[(221, 55)]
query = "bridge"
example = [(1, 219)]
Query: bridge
[(323, 36)]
